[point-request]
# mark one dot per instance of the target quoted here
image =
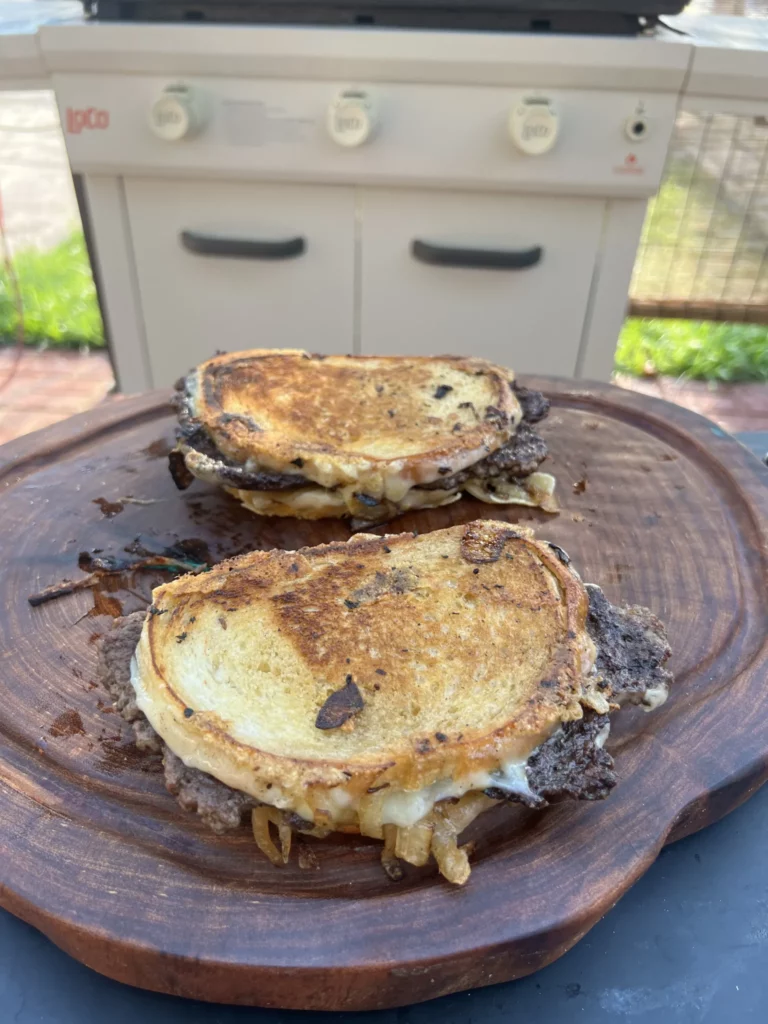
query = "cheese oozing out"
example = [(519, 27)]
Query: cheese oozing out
[(314, 502), (655, 696), (405, 808)]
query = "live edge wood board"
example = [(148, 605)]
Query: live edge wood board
[(659, 508)]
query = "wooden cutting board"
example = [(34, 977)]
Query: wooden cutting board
[(659, 508)]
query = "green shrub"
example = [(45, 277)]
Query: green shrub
[(689, 348), (59, 297)]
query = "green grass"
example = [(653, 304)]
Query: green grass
[(59, 297), (695, 349)]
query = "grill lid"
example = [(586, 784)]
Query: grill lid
[(601, 17)]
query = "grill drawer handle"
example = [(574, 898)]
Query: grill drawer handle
[(243, 248), (479, 259)]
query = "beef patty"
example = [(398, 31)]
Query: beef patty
[(632, 650), (518, 458)]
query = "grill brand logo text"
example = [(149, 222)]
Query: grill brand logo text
[(91, 119)]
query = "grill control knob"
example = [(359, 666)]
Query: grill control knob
[(534, 125), (351, 119), (176, 114), (636, 128)]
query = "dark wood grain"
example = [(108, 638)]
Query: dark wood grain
[(668, 512)]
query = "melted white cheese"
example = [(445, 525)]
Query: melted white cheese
[(536, 489), (602, 737), (406, 808), (655, 696)]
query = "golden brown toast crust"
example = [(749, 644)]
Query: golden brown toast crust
[(467, 646), (344, 419)]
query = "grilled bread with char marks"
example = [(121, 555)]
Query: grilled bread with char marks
[(289, 433), (394, 686)]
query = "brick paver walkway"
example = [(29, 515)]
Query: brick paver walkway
[(48, 387), (51, 385), (734, 407)]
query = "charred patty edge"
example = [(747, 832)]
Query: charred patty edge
[(632, 650)]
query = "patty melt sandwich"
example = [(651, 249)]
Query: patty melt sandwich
[(294, 434), (392, 686)]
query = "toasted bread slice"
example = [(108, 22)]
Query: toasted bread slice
[(382, 425), (358, 683)]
